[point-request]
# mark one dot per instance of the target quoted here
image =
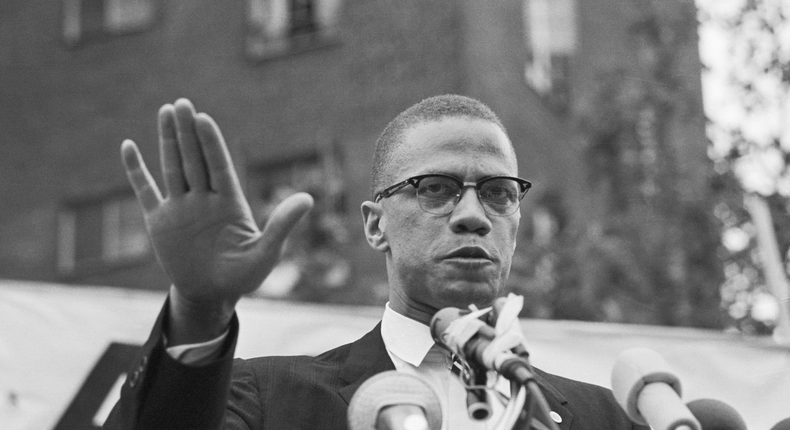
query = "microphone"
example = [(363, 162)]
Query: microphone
[(782, 425), (478, 338), (496, 310), (716, 415), (478, 342), (649, 391), (395, 401)]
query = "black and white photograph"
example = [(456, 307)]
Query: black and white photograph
[(395, 214)]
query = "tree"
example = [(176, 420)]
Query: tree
[(747, 86), (654, 253), (652, 257)]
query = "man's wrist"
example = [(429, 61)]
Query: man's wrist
[(196, 321)]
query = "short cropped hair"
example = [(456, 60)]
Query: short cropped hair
[(431, 109)]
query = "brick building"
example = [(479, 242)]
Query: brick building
[(301, 89)]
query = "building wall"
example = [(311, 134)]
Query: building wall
[(609, 43), (546, 142), (64, 112)]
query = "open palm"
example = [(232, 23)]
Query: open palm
[(202, 228)]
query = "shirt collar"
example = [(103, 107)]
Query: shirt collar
[(404, 337)]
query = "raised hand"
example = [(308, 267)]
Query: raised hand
[(202, 229)]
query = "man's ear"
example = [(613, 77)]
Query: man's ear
[(375, 226)]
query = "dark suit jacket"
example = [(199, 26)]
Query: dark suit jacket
[(297, 392)]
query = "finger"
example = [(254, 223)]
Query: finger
[(221, 173), (143, 184), (282, 220), (172, 170), (191, 154)]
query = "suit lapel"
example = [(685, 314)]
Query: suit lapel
[(555, 399), (367, 357)]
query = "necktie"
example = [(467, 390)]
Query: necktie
[(457, 366)]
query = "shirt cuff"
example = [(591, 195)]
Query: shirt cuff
[(197, 354)]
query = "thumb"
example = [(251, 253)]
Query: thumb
[(282, 220)]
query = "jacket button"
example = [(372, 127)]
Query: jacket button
[(133, 379)]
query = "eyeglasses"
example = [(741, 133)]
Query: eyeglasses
[(439, 194)]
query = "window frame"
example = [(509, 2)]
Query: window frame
[(111, 254), (74, 34), (270, 32), (551, 40)]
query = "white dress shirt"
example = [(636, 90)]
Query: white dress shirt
[(412, 350)]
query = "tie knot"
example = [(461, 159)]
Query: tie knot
[(438, 355)]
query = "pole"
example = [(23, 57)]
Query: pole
[(773, 269)]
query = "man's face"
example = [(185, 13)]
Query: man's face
[(435, 261)]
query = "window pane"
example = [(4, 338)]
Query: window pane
[(66, 238), (72, 21), (122, 16), (88, 234), (326, 15), (550, 29), (95, 19), (132, 235), (275, 27), (268, 23), (92, 16), (552, 25), (100, 233), (302, 17)]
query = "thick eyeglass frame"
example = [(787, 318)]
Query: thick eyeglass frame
[(414, 181)]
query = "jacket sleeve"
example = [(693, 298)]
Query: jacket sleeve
[(161, 393)]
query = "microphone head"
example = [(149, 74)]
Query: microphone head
[(441, 320), (634, 369), (782, 425), (392, 388), (716, 415), (496, 309)]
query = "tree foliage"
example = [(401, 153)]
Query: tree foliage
[(652, 257), (747, 78)]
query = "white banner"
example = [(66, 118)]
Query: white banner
[(51, 336)]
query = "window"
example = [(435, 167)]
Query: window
[(276, 27), (314, 264), (95, 19), (101, 233), (551, 42)]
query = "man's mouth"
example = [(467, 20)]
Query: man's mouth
[(469, 253)]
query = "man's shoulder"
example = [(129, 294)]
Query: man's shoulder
[(333, 356), (576, 392), (325, 365), (591, 404), (295, 391), (300, 375), (569, 386)]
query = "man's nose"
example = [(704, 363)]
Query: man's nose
[(469, 215)]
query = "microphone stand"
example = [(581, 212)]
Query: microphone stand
[(536, 413), (463, 333), (527, 408), (537, 401)]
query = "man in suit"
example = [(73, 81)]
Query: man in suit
[(445, 212)]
